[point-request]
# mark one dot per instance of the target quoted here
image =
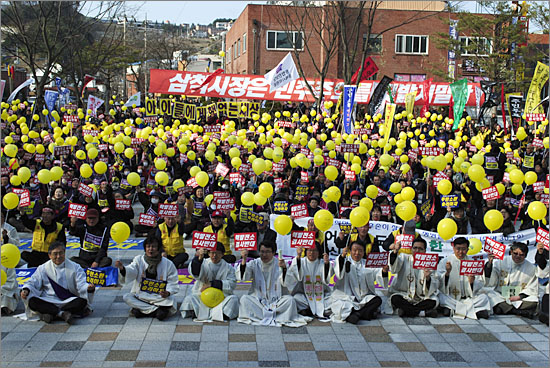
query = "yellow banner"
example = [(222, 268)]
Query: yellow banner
[(409, 102), (533, 96), (390, 111)]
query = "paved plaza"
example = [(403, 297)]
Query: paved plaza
[(110, 337)]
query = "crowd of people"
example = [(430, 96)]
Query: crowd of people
[(117, 158)]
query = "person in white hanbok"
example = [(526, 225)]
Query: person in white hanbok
[(211, 272), (353, 297), (150, 269), (10, 290), (308, 280), (57, 288), (412, 290), (512, 273), (264, 304), (460, 296), (543, 271)]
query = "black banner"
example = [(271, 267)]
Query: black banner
[(378, 94)]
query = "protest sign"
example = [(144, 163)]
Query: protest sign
[(147, 220), (450, 201), (491, 246), (204, 240), (77, 210), (246, 241), (123, 204), (152, 286), (425, 261), (490, 193), (542, 237), (405, 239), (168, 210), (468, 267), (299, 210), (305, 239), (377, 259)]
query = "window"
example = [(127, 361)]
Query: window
[(235, 50), (281, 40), (409, 44), (474, 46), (375, 43), (409, 77), (244, 43), (239, 47), (228, 55)]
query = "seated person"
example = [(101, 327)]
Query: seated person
[(170, 232), (9, 292), (354, 296), (543, 270), (57, 288), (513, 271), (308, 279), (460, 296), (45, 232), (211, 272), (264, 304), (224, 231), (145, 269), (263, 234), (94, 240), (368, 241), (412, 291)]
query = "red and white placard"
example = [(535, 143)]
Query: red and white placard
[(371, 163), (468, 267), (377, 259), (192, 183), (350, 175), (305, 239), (222, 170), (168, 210), (25, 198), (304, 176), (425, 261), (491, 246), (225, 204), (204, 240), (490, 193), (122, 204), (147, 220), (542, 237), (78, 210), (85, 190), (406, 240), (299, 210), (246, 241)]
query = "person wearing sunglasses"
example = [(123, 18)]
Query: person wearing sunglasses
[(513, 283)]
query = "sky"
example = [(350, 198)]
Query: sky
[(198, 12)]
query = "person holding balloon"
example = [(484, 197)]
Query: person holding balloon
[(212, 296), (58, 288), (146, 270), (412, 291), (460, 295), (8, 279), (515, 274), (45, 232), (308, 280)]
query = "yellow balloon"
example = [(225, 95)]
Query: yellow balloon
[(161, 178), (323, 220), (446, 228), (516, 176), (202, 178), (92, 153), (395, 187), (160, 164), (476, 173), (44, 176), (406, 210), (134, 179), (475, 246), (57, 173), (530, 177), (247, 199), (372, 191), (266, 190), (211, 297), (331, 172), (258, 166), (10, 201), (493, 220), (100, 167), (537, 210), (24, 174), (517, 189), (15, 181), (259, 199), (10, 150), (129, 152), (367, 203), (85, 171), (282, 224), (408, 194), (359, 216), (444, 186), (10, 255), (120, 231)]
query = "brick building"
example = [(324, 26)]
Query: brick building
[(406, 52)]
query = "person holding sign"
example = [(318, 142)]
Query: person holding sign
[(367, 241), (224, 231), (354, 296), (543, 270), (94, 241), (212, 272), (155, 282), (513, 283), (308, 280), (46, 231), (119, 211), (460, 295), (57, 288), (171, 234), (264, 304), (263, 234), (413, 290)]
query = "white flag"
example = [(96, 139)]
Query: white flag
[(26, 83), (285, 72), (134, 99), (93, 104)]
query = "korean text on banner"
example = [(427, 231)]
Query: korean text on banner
[(377, 259), (491, 246), (284, 73), (204, 240), (390, 111), (425, 261), (349, 101), (471, 268), (540, 76), (246, 241)]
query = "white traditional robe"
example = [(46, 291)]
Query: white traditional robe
[(264, 304), (229, 306), (543, 274), (410, 283), (10, 290), (353, 289), (309, 287), (13, 235), (68, 275), (508, 273), (150, 302), (458, 295)]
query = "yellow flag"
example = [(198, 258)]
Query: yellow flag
[(390, 111), (409, 102), (533, 96)]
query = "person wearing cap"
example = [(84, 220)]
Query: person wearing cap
[(263, 234), (225, 232), (355, 195), (154, 282), (94, 241), (265, 303), (512, 283), (213, 272), (308, 280), (458, 215), (170, 232), (45, 232)]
